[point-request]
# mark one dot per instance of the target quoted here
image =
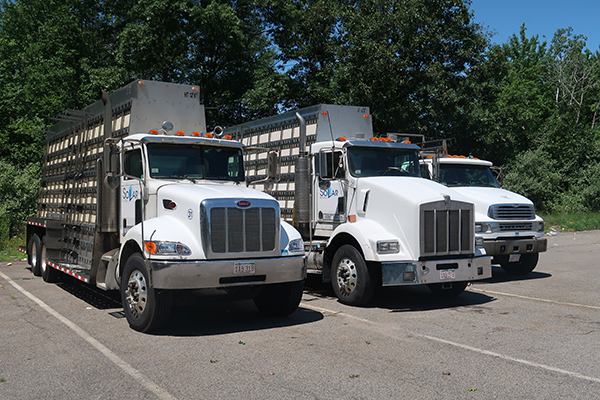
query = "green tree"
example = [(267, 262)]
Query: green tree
[(407, 60), (511, 100)]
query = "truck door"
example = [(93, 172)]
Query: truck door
[(131, 190), (330, 200)]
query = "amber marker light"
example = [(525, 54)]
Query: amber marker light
[(180, 133), (196, 134), (153, 132), (352, 218), (208, 135), (151, 247), (229, 137)]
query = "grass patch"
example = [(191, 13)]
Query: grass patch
[(10, 251), (571, 222)]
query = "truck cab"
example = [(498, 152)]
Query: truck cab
[(367, 217), (137, 196), (513, 234)]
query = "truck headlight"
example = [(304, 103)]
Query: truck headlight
[(540, 227), (167, 248), (388, 247), (482, 227), (479, 241), (296, 246)]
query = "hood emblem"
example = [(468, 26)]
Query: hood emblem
[(243, 203)]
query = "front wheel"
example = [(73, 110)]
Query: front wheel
[(526, 264), (350, 277), (280, 299), (146, 308)]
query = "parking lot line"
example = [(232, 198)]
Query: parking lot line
[(147, 383), (465, 347), (535, 298)]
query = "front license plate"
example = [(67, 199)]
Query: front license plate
[(447, 274), (243, 268), (514, 258)]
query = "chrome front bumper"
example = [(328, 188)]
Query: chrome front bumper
[(498, 247), (219, 274), (436, 271)]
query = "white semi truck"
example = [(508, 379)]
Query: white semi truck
[(150, 203), (512, 232), (367, 217)]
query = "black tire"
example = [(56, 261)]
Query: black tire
[(48, 273), (450, 289), (525, 265), (280, 299), (146, 308), (350, 278), (34, 252)]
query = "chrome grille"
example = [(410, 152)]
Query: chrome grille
[(446, 228), (227, 228), (511, 211)]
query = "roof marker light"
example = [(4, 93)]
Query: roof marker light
[(180, 133), (154, 131), (196, 134), (341, 139), (229, 137), (374, 139), (208, 135)]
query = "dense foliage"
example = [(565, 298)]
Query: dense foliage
[(422, 66)]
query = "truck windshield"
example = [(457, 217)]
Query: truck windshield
[(376, 161), (178, 161), (467, 175)]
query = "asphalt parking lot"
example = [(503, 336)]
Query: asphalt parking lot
[(534, 337)]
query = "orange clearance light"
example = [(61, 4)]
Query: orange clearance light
[(151, 247), (229, 137), (142, 83), (209, 135), (194, 88), (374, 139), (352, 218), (180, 133), (387, 139), (462, 157), (153, 132), (341, 139), (365, 116), (324, 113), (195, 133)]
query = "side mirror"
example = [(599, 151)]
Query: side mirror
[(272, 164), (111, 164)]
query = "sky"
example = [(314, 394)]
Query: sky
[(541, 17)]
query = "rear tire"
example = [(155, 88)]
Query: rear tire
[(146, 308), (457, 288), (280, 299), (49, 274), (350, 277), (34, 252), (525, 265)]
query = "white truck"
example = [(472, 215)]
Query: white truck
[(150, 203), (367, 217), (512, 232)]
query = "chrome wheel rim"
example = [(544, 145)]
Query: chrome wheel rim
[(136, 293), (346, 276)]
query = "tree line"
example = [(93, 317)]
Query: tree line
[(422, 66)]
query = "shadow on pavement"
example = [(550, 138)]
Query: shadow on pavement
[(500, 276), (192, 314), (402, 299)]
